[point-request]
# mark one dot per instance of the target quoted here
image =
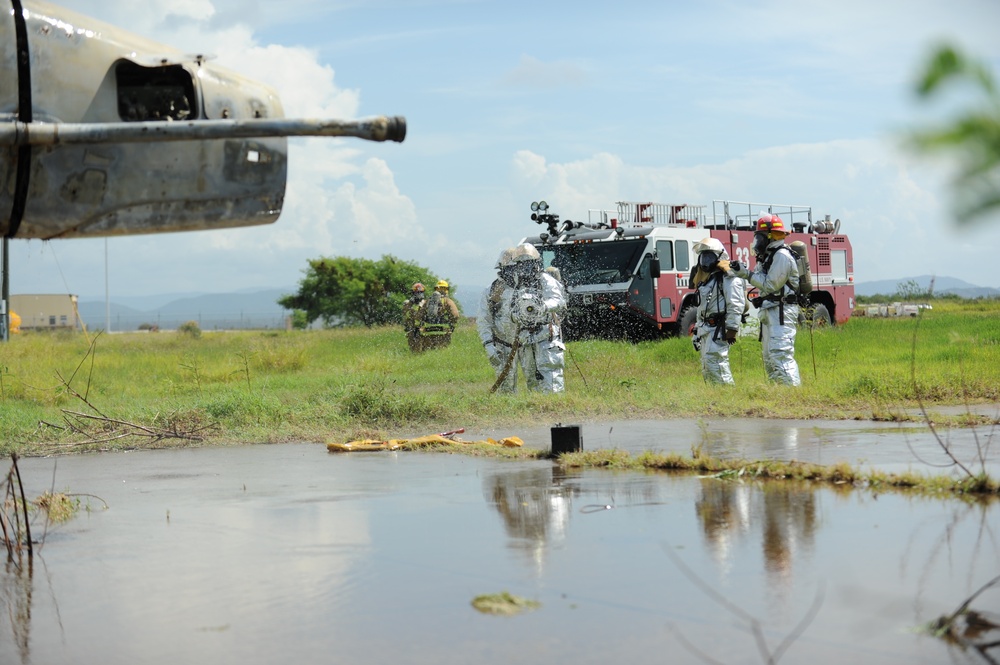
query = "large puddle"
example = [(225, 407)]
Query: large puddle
[(287, 553)]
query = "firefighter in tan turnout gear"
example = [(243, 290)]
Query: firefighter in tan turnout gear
[(518, 322), (413, 315), (776, 277), (440, 316), (722, 300)]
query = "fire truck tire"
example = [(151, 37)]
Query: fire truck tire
[(688, 318), (821, 317)]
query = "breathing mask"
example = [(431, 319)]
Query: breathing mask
[(707, 260), (761, 240), (526, 272)]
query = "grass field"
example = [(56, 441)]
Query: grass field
[(236, 387)]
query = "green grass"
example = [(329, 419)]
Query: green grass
[(836, 474), (364, 383)]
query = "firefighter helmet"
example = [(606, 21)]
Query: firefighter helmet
[(418, 288), (770, 224), (441, 285), (504, 259), (525, 253), (709, 244)]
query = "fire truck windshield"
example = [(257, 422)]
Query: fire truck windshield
[(594, 263)]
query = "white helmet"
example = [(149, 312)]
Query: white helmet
[(509, 257), (525, 253), (504, 259), (711, 245)]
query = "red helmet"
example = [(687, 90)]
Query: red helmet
[(418, 288), (770, 223)]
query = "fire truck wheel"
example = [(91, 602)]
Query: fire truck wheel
[(688, 318), (821, 317)]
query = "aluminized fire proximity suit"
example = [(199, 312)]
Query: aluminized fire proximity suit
[(526, 306), (721, 302), (777, 280)]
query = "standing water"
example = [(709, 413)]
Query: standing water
[(288, 553)]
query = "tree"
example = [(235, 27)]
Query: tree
[(974, 136), (346, 291), (300, 320)]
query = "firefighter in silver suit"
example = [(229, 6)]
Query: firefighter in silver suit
[(518, 322), (722, 301), (776, 277)]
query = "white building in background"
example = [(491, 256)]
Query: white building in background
[(46, 311)]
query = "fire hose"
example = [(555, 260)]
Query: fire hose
[(510, 361)]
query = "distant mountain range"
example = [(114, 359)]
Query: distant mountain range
[(212, 311), (942, 286), (260, 309)]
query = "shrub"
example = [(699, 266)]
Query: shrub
[(190, 328)]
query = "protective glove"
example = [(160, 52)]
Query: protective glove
[(731, 335), (757, 302), (696, 343), (739, 269), (494, 356)]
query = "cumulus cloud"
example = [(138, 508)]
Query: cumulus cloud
[(895, 209)]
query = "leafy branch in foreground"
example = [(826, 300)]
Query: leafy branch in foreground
[(974, 136)]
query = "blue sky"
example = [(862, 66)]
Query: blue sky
[(581, 104)]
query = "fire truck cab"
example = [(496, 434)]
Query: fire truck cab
[(626, 271)]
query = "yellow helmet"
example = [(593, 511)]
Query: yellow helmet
[(442, 285)]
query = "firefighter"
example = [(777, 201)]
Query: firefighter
[(722, 300), (440, 316), (518, 323), (413, 314), (776, 277)]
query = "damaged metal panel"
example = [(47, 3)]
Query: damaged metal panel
[(104, 133), (78, 75)]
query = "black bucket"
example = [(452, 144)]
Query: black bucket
[(566, 439)]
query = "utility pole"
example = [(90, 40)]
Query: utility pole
[(5, 292), (107, 290)]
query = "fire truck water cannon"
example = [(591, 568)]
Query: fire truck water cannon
[(539, 216)]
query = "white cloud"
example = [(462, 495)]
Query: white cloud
[(632, 125), (894, 209)]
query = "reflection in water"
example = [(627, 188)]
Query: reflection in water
[(15, 597), (766, 440), (535, 506), (785, 513)]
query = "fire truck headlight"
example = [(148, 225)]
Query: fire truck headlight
[(534, 207), (620, 231)]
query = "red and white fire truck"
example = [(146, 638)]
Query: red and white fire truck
[(626, 271)]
